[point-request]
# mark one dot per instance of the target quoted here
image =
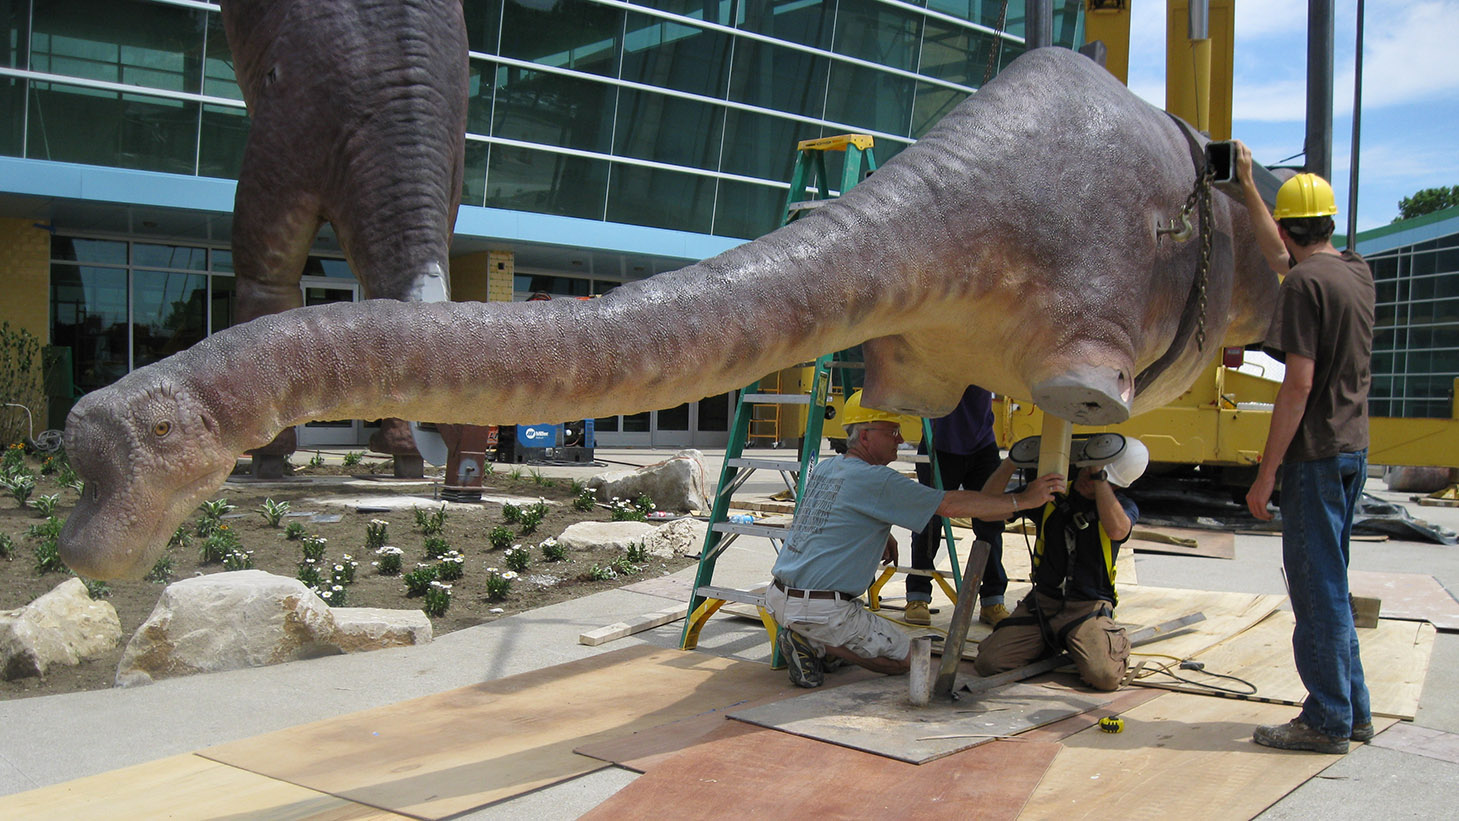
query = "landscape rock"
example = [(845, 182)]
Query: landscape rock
[(359, 629), (681, 537), (63, 627), (227, 621), (603, 535), (675, 484), (1417, 479)]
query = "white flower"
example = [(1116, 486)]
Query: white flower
[(510, 574)]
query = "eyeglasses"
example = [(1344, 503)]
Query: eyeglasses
[(894, 432)]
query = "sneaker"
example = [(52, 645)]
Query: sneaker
[(1362, 732), (800, 659), (917, 613), (992, 614), (1294, 735)]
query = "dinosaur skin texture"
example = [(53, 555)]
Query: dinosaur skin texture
[(1013, 247), (354, 124)]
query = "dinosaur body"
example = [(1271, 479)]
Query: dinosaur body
[(1013, 247)]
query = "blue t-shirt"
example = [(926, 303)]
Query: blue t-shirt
[(969, 428), (842, 524)]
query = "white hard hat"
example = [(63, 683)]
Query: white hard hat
[(1129, 465)]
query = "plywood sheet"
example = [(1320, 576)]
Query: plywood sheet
[(1422, 741), (875, 716), (1227, 614), (1395, 660), (748, 772), (1177, 541), (454, 751), (183, 786), (1410, 596), (1181, 754)]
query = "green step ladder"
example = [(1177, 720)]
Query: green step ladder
[(706, 598)]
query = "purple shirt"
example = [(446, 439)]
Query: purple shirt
[(969, 428)]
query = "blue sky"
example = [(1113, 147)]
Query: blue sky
[(1410, 117)]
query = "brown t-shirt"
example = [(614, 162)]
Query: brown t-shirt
[(1325, 312)]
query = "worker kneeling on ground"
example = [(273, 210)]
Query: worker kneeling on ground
[(1071, 606), (843, 529)]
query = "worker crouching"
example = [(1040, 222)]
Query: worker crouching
[(1071, 608)]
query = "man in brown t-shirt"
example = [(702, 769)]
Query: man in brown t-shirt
[(1323, 330)]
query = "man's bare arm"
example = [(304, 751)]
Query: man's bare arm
[(994, 506)]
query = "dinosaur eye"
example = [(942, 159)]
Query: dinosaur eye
[(162, 428)]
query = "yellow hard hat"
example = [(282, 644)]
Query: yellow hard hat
[(852, 413), (1305, 195)]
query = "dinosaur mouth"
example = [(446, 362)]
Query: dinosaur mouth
[(1098, 395)]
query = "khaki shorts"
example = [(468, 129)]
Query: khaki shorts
[(838, 623)]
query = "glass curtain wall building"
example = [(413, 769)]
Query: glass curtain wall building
[(676, 117)]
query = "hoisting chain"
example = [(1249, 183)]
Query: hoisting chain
[(1203, 188)]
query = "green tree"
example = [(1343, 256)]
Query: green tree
[(1427, 201)]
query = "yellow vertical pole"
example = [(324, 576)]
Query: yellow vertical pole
[(1198, 68), (1110, 24), (1055, 444)]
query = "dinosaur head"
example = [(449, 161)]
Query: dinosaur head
[(149, 451)]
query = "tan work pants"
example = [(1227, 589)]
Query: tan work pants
[(1098, 646)]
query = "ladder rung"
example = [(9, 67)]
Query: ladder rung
[(777, 398), (730, 594), (763, 531), (806, 205), (767, 464)]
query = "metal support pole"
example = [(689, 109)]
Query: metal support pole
[(1038, 25), (1357, 131), (1318, 144), (1198, 31)]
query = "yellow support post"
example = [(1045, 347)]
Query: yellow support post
[(1198, 72)]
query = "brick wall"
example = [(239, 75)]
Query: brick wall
[(483, 277)]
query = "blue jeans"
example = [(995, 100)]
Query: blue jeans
[(1318, 500)]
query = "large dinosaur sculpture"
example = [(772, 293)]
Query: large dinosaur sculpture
[(1014, 246), (358, 112)]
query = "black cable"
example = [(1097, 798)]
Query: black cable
[(1209, 686)]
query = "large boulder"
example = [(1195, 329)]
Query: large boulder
[(603, 535), (63, 627), (677, 483), (1403, 479), (358, 629), (681, 537), (226, 621)]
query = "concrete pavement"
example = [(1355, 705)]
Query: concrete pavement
[(51, 739)]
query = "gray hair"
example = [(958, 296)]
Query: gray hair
[(853, 431)]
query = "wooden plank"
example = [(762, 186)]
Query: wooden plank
[(183, 786), (1178, 541), (1395, 660), (748, 772), (455, 751), (1411, 596), (1182, 753), (962, 616), (638, 624)]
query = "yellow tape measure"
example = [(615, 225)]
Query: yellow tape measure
[(1112, 724)]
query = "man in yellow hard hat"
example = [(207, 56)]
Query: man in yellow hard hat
[(842, 531), (1322, 328)]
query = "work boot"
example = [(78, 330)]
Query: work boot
[(800, 659), (917, 613), (1294, 735), (991, 614), (1362, 732)]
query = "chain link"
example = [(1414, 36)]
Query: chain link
[(1203, 272)]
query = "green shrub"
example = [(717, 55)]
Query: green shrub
[(294, 531), (388, 560), (161, 571), (451, 567), (46, 504), (500, 537), (430, 522), (517, 558), (437, 599), (499, 583), (552, 551), (436, 547), (584, 501), (353, 458), (238, 559), (312, 547), (273, 512), (377, 533), (511, 514), (419, 580)]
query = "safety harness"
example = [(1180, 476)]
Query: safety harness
[(1076, 522)]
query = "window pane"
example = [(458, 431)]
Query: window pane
[(89, 316), (553, 286), (483, 22), (668, 129), (636, 423), (480, 88), (95, 127), (757, 145), (575, 34), (89, 250), (747, 210), (778, 78), (553, 110), (877, 32), (473, 182), (144, 44), (218, 77), (714, 412), (15, 16), (608, 424), (662, 199), (328, 267), (673, 55), (220, 150), (675, 418), (865, 98), (807, 22), (170, 256), (12, 116), (714, 11), (222, 260), (526, 180), (224, 301), (169, 313)]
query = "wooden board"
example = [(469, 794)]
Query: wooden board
[(1411, 596), (1395, 660), (1410, 738), (638, 624), (1178, 541), (1227, 614), (1179, 754), (183, 786), (455, 751), (748, 772), (875, 716)]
